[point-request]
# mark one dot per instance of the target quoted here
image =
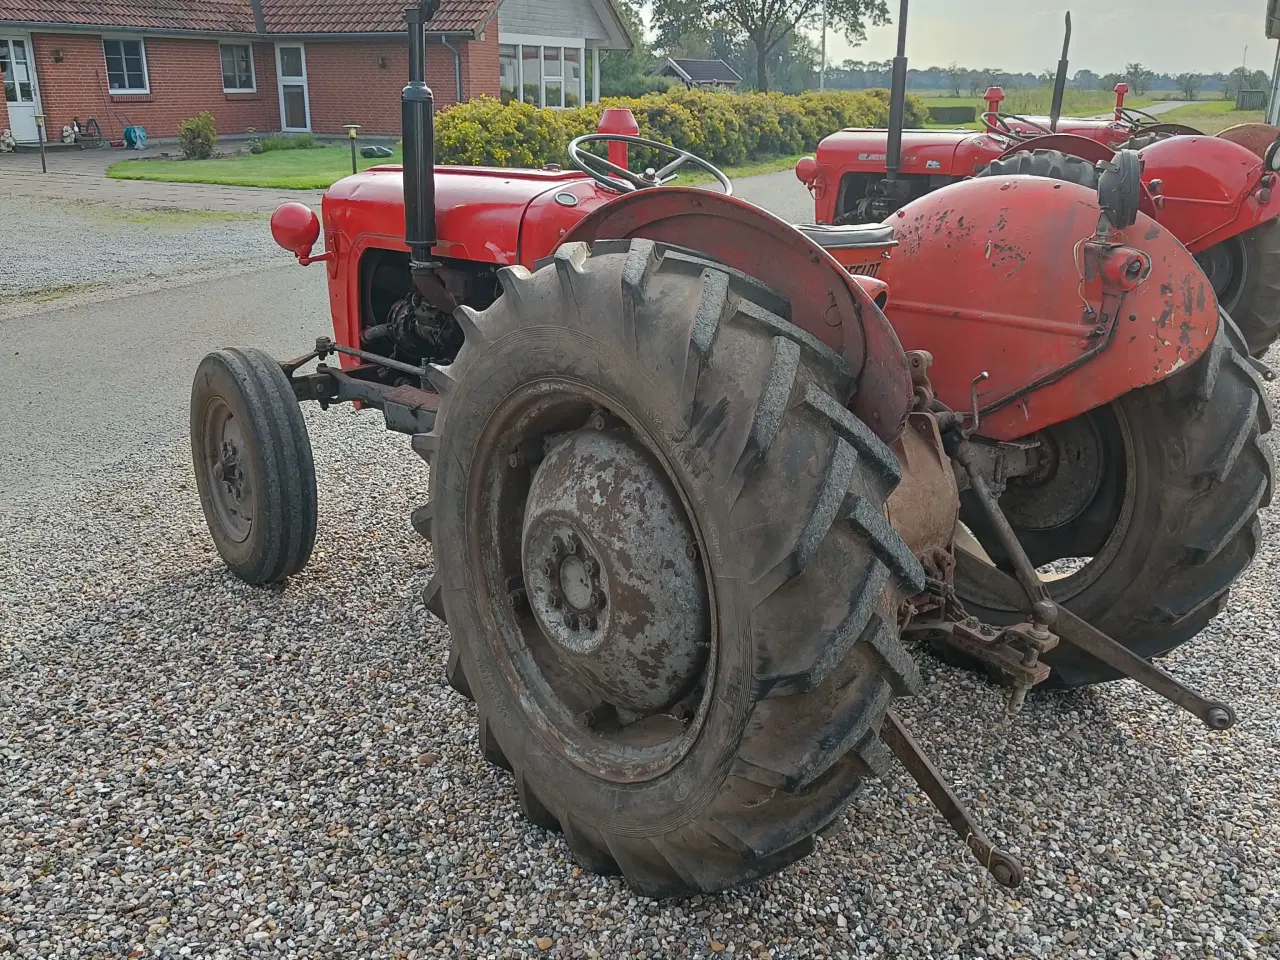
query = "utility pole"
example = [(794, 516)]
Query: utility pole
[(822, 69)]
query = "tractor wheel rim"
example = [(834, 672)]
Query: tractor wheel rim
[(592, 581), (227, 473), (1226, 267), (1068, 576)]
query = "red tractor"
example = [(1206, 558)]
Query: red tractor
[(689, 495), (1217, 195)]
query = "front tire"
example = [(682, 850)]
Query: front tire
[(253, 465), (636, 436)]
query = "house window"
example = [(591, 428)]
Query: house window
[(572, 76), (126, 66), (553, 77), (542, 73), (237, 68), (531, 75), (509, 71)]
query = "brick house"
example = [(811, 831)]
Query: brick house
[(291, 65)]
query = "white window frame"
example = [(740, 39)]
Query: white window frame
[(146, 70), (521, 40), (253, 68)]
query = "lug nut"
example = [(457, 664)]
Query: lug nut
[(556, 601), (597, 599), (571, 621), (588, 621), (691, 551), (589, 567), (572, 543), (557, 545), (516, 459), (549, 567)]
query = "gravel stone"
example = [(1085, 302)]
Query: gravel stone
[(192, 767), (111, 244)]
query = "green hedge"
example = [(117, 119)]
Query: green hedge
[(725, 128)]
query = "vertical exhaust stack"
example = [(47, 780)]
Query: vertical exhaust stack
[(897, 99), (417, 111), (1060, 81)]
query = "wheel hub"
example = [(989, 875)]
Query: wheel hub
[(612, 574)]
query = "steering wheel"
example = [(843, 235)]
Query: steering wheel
[(999, 118), (1138, 118), (621, 180)]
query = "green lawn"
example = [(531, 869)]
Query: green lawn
[(311, 169), (1212, 116), (317, 168)]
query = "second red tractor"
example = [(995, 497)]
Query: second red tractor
[(1217, 195)]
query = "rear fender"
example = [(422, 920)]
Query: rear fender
[(825, 300), (1209, 189), (1002, 274)]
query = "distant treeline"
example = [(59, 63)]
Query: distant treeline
[(963, 81)]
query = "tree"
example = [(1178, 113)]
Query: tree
[(1139, 78), (954, 76), (1189, 84), (1084, 80), (766, 23)]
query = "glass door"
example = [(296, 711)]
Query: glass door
[(291, 68), (18, 76)]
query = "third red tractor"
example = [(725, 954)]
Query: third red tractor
[(694, 510)]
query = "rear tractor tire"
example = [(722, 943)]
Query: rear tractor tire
[(1161, 490), (253, 465), (662, 553)]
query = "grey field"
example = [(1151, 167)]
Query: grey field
[(193, 767)]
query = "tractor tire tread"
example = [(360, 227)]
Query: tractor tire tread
[(1051, 164)]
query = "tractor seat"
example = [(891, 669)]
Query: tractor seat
[(844, 237)]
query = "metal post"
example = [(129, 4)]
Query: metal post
[(351, 129), (44, 167), (822, 70), (897, 99)]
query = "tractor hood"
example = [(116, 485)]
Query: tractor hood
[(481, 212), (957, 153)]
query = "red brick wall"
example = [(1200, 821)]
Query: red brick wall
[(4, 115), (347, 82), (353, 82), (185, 77), (480, 64)]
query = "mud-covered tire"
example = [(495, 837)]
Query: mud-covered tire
[(786, 491), (1253, 297), (1202, 470), (242, 397), (1043, 163)]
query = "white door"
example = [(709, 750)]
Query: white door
[(291, 68), (17, 67)]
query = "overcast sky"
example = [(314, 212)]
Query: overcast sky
[(1168, 36)]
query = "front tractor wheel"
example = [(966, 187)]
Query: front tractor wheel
[(253, 465), (663, 556)]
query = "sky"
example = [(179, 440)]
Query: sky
[(1168, 36)]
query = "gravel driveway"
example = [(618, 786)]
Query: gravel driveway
[(196, 768), (57, 248), (191, 767)]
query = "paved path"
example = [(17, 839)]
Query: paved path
[(1155, 109)]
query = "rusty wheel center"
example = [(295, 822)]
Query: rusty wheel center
[(610, 567), (224, 462)]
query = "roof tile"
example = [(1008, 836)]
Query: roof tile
[(236, 16)]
